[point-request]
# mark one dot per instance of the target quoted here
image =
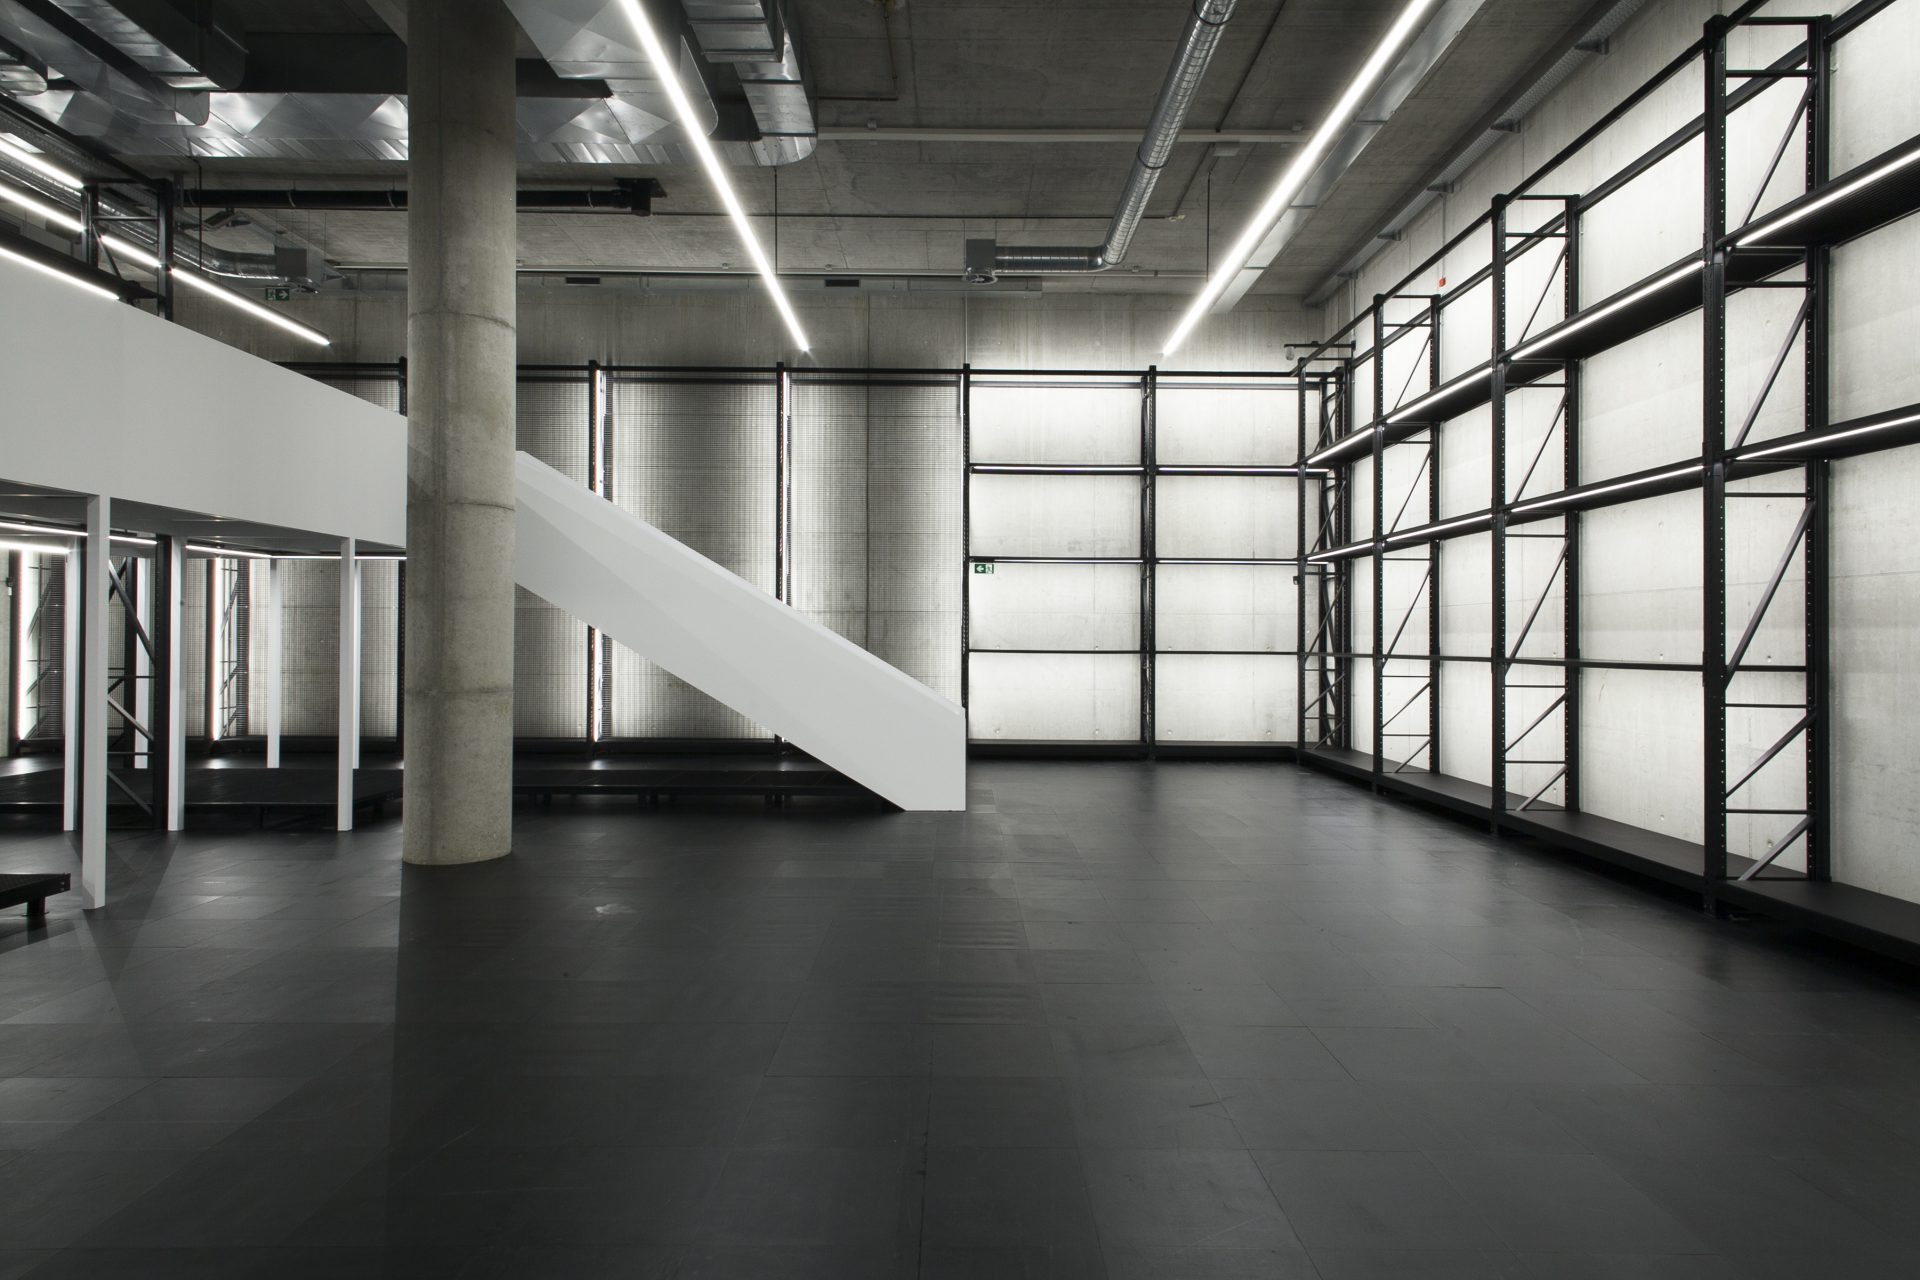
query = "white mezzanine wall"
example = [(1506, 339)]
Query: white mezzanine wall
[(1641, 563)]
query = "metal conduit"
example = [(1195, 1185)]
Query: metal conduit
[(1204, 25)]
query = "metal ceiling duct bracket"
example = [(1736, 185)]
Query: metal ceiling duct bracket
[(1189, 67)]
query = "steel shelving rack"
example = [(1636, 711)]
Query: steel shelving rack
[(1148, 469), (1533, 695)]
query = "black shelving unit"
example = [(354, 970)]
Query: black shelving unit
[(1536, 696)]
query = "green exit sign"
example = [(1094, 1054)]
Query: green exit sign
[(278, 293), (983, 566)]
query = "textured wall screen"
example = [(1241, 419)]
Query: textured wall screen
[(42, 655), (550, 645), (831, 493), (695, 459), (1055, 646), (914, 545)]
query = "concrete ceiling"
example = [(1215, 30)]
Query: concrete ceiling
[(881, 206)]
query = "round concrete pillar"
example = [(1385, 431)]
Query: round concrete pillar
[(460, 403)]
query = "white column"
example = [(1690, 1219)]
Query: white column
[(176, 744), (93, 711), (276, 625), (139, 582), (70, 690), (349, 680)]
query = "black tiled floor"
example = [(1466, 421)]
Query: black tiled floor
[(1192, 1022)]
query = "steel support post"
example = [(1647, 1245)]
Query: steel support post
[(1149, 552), (1497, 492), (1379, 537), (1300, 564), (966, 534), (16, 648), (1817, 355), (95, 576), (1713, 440), (1434, 548), (1569, 477)]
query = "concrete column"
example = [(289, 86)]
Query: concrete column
[(460, 401), (93, 705), (349, 727), (276, 660)]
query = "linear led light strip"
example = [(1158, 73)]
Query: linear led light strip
[(1304, 163), (1339, 447), (1047, 468), (1641, 482), (1436, 395), (1425, 532), (67, 222), (1585, 318), (39, 163), (667, 68), (1807, 442), (195, 280), (1841, 192)]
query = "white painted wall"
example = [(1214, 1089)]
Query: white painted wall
[(102, 398)]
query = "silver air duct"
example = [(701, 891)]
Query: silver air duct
[(1189, 68), (606, 107)]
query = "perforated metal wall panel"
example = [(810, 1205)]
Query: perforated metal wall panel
[(45, 649), (193, 648), (830, 491), (379, 648), (915, 548), (695, 459), (550, 645), (309, 647)]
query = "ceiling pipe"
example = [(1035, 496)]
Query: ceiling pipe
[(635, 195), (985, 260)]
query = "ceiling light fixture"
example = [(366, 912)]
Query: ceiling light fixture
[(40, 209), (68, 277), (18, 151), (1305, 162), (1769, 226), (1815, 443), (194, 280), (1582, 319), (667, 68), (1577, 495)]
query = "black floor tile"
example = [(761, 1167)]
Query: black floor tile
[(1240, 1022)]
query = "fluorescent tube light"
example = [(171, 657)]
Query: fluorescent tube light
[(1425, 532), (1046, 468), (668, 69), (1813, 442), (1768, 227), (194, 280), (1639, 482), (67, 276), (32, 549), (19, 151), (40, 209), (257, 310), (1338, 447), (1305, 161), (1582, 319), (1438, 393)]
